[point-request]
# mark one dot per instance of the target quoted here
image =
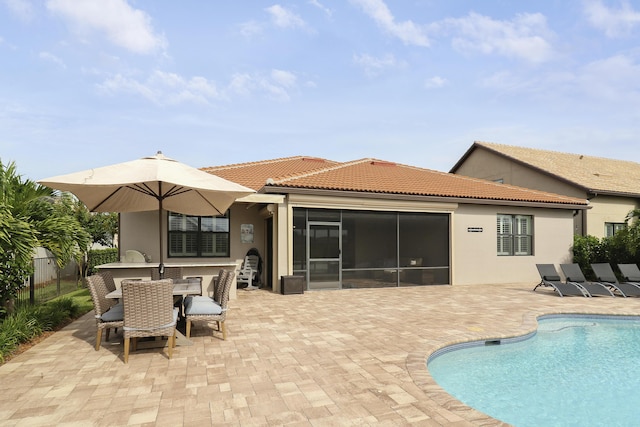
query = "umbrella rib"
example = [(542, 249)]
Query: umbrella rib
[(208, 202), (175, 190), (105, 199), (145, 189)]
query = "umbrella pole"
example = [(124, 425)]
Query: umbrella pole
[(161, 266)]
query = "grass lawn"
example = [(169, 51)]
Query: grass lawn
[(47, 292), (82, 298)]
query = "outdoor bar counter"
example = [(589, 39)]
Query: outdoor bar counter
[(142, 270)]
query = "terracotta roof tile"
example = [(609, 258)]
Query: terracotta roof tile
[(255, 174), (376, 176), (594, 174)]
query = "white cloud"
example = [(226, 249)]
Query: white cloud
[(274, 91), (525, 37), (435, 82), (374, 66), (614, 80), (284, 18), (120, 83), (279, 16), (122, 25), (4, 43), (614, 22), (508, 82), (284, 78), (203, 86), (23, 9), (407, 31), (322, 7), (250, 28), (164, 88), (46, 56), (278, 85), (241, 83)]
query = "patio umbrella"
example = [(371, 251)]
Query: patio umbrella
[(150, 183)]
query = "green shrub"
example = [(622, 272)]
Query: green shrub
[(29, 322), (621, 248), (585, 251), (55, 312), (18, 328), (101, 256)]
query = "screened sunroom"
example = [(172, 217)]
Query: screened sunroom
[(342, 249)]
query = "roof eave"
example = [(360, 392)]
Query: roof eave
[(596, 192), (423, 198)]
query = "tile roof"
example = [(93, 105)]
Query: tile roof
[(255, 174), (376, 177), (593, 174)]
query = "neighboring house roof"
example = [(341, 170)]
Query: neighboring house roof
[(592, 174), (377, 177)]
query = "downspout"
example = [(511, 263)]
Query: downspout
[(584, 213)]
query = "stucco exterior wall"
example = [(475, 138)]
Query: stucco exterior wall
[(474, 254), (474, 258), (490, 166), (242, 214), (484, 164), (607, 209), (139, 231)]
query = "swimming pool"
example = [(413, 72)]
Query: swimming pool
[(575, 371)]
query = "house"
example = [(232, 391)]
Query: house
[(369, 223), (611, 186)]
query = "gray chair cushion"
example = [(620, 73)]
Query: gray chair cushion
[(199, 305), (198, 298), (114, 314)]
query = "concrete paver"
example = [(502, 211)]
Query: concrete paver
[(333, 358)]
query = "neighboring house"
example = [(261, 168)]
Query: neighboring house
[(370, 223), (611, 186)]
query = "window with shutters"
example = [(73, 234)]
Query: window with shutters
[(198, 236), (515, 234)]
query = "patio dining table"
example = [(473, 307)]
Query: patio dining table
[(181, 287)]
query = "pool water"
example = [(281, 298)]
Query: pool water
[(575, 371)]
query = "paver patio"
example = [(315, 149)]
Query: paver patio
[(333, 358)]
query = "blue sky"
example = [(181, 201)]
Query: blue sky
[(95, 82)]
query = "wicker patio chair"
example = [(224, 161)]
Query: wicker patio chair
[(218, 287), (108, 313), (148, 312), (169, 273), (107, 276), (204, 308)]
